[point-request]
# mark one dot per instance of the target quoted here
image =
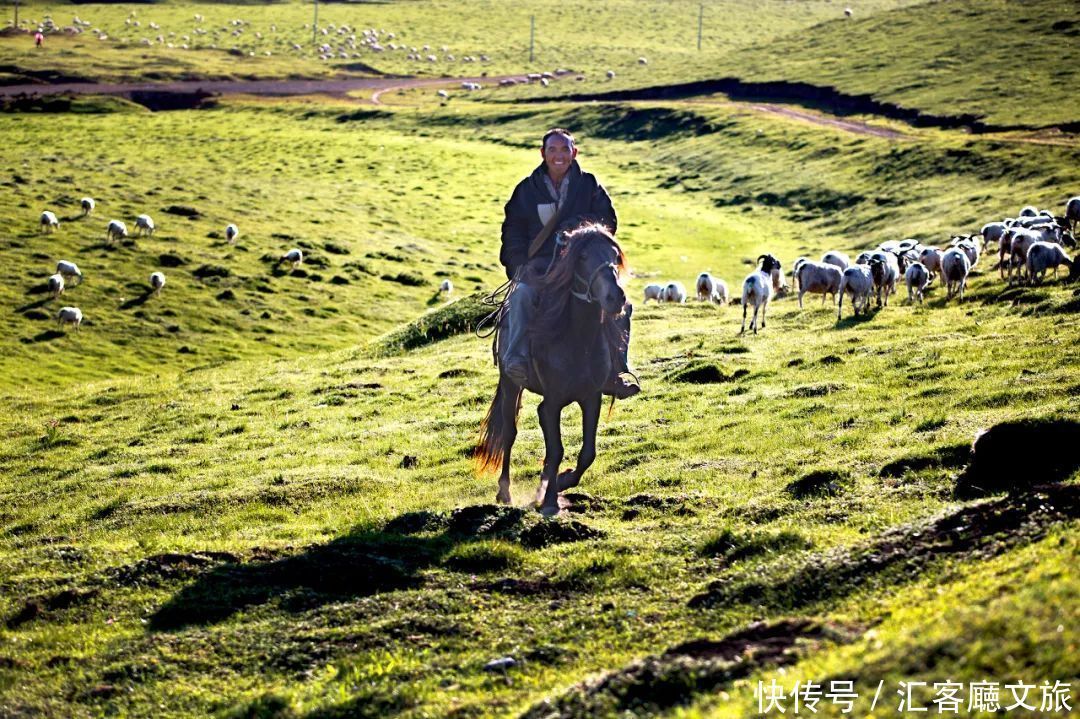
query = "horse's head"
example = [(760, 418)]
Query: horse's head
[(598, 266)]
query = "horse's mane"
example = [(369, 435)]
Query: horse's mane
[(553, 287)]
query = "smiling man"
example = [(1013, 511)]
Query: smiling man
[(558, 196)]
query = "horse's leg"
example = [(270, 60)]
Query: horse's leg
[(590, 418), (510, 405), (550, 415)]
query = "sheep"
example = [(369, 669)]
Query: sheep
[(1015, 243), (757, 290), (930, 258), (295, 256), (848, 12), (49, 223), (654, 292), (992, 232), (446, 286), (1041, 256), (443, 94), (157, 281), (970, 249), (88, 205), (643, 61), (772, 267), (818, 277), (863, 258), (859, 283), (675, 292), (839, 259), (56, 285), (610, 74), (69, 316), (917, 277), (711, 289), (955, 266), (231, 233), (1072, 213), (1029, 211), (885, 270), (115, 229), (144, 225), (68, 270)]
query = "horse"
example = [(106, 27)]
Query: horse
[(573, 334)]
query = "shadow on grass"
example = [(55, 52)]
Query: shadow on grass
[(138, 301), (362, 563), (46, 336), (34, 305), (855, 320)]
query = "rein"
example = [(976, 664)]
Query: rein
[(587, 296)]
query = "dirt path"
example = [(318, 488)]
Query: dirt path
[(382, 85)]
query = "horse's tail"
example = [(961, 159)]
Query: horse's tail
[(499, 428)]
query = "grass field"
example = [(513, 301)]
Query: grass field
[(254, 496)]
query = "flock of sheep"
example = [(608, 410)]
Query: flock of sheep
[(69, 275), (1030, 244)]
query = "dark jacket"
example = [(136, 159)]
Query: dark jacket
[(586, 201)]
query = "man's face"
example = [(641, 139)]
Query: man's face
[(558, 153)]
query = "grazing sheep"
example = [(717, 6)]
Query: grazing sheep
[(87, 204), (56, 285), (69, 316), (654, 292), (1042, 256), (295, 256), (917, 278), (885, 270), (757, 290), (863, 258), (955, 266), (115, 230), (930, 258), (1015, 244), (68, 270), (859, 283), (610, 74), (144, 225), (157, 281), (839, 259), (446, 286), (231, 233), (675, 292), (643, 61), (848, 12), (1072, 213), (818, 277), (49, 223), (970, 249), (1029, 211), (443, 94)]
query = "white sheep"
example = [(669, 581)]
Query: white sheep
[(157, 281), (67, 270), (885, 269), (49, 223), (1029, 211), (675, 292), (1015, 244), (706, 286), (446, 286), (930, 257), (859, 283), (643, 61), (772, 267), (443, 94), (992, 232), (88, 205), (818, 277), (654, 292), (295, 256), (69, 316), (955, 266), (116, 229), (1042, 256), (231, 233), (970, 248), (1072, 213), (56, 285), (917, 277), (836, 258), (757, 289), (144, 225), (610, 74)]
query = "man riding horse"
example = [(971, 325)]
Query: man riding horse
[(557, 197)]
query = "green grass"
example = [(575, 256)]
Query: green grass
[(283, 520)]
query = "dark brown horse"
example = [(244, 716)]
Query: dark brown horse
[(572, 336)]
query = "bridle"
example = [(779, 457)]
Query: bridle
[(587, 296)]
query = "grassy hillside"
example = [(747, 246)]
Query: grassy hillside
[(1012, 63), (566, 36)]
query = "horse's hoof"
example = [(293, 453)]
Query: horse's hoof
[(568, 479), (502, 497), (549, 510)]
